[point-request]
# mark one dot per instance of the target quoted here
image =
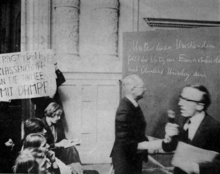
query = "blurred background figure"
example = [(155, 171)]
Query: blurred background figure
[(33, 125), (7, 154)]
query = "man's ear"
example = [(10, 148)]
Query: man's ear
[(200, 106)]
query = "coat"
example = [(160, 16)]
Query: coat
[(49, 135), (130, 128), (206, 137)]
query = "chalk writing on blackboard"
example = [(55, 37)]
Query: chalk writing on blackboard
[(168, 60)]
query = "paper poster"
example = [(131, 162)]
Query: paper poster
[(26, 75)]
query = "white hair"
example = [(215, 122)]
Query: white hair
[(130, 82)]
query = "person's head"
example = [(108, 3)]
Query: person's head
[(194, 99), (31, 160), (133, 86), (35, 140), (53, 112), (33, 125), (6, 144)]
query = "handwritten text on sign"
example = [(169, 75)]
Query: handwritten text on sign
[(144, 54), (26, 75)]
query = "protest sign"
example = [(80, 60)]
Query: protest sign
[(26, 75)]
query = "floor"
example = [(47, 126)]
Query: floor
[(107, 169), (101, 168), (151, 167)]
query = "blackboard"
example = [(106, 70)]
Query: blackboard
[(168, 60)]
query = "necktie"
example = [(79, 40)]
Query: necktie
[(186, 131)]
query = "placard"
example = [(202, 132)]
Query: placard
[(26, 75)]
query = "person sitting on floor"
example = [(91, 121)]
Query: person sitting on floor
[(56, 137), (35, 125), (34, 160), (37, 140)]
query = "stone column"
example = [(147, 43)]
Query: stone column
[(35, 25), (99, 29), (67, 28)]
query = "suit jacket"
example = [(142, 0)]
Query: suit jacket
[(129, 131), (206, 137), (49, 136)]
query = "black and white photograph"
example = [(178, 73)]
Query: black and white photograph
[(110, 86)]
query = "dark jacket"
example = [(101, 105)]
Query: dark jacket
[(207, 137), (67, 155), (130, 128), (49, 136)]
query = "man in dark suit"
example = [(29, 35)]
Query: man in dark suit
[(197, 129), (130, 128)]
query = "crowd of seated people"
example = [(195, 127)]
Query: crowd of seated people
[(37, 140), (43, 149)]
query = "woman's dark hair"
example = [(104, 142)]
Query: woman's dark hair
[(33, 125), (206, 98), (34, 140)]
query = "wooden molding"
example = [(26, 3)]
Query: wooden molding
[(180, 23)]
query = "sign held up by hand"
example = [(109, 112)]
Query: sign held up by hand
[(26, 75)]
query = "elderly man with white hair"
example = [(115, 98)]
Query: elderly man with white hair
[(130, 129)]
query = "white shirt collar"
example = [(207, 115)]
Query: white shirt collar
[(132, 101), (195, 122), (197, 119)]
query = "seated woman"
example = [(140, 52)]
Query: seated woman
[(37, 140), (56, 137), (33, 125), (33, 160)]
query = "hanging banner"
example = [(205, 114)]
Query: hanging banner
[(27, 75)]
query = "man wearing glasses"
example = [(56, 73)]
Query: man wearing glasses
[(198, 129)]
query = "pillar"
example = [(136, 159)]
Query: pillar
[(67, 28), (99, 29)]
